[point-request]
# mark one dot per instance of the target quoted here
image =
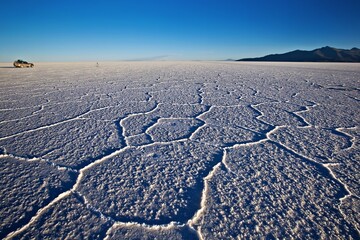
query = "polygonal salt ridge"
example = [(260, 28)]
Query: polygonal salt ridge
[(278, 113), (26, 187), (47, 116), (154, 184), (352, 133), (225, 136), (71, 144), (216, 91), (346, 168), (181, 95), (286, 106), (138, 140), (333, 116), (121, 110), (71, 219), (317, 143), (138, 231), (238, 116), (7, 115), (136, 94), (166, 110), (138, 123), (5, 154), (15, 100), (350, 208), (170, 129), (222, 101), (335, 95), (272, 192)]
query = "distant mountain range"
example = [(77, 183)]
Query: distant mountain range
[(324, 54)]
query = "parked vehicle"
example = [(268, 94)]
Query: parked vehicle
[(20, 64)]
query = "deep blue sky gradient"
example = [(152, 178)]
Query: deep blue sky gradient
[(43, 30)]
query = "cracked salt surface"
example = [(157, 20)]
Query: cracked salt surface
[(180, 150)]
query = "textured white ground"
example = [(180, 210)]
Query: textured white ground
[(180, 150)]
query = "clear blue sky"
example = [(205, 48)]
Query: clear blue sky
[(43, 30)]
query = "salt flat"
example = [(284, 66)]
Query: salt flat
[(180, 150)]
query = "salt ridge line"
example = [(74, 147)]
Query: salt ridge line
[(169, 226), (42, 107), (325, 166), (35, 112), (92, 208), (199, 117), (38, 214), (352, 138), (294, 113), (66, 193), (350, 194), (81, 175), (121, 122), (265, 139), (193, 221), (197, 215), (78, 117), (48, 103), (262, 103), (225, 156), (307, 109), (200, 93), (12, 109), (352, 97), (18, 119), (204, 193), (36, 159), (295, 94), (153, 143), (223, 160), (260, 113), (159, 120), (94, 119)]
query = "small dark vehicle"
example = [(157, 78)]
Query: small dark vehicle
[(20, 64)]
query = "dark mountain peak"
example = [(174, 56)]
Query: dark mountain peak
[(324, 54), (327, 47)]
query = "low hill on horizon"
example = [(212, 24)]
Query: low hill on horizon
[(324, 54)]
